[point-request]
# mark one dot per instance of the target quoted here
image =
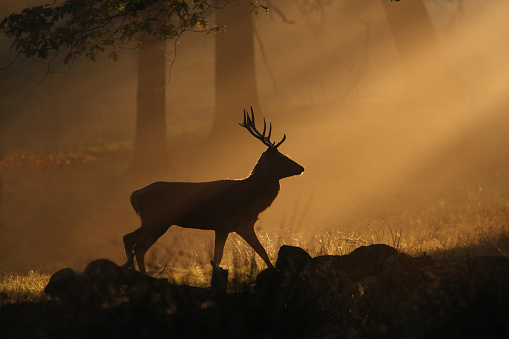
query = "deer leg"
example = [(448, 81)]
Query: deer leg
[(219, 246), (140, 249), (129, 243), (249, 235)]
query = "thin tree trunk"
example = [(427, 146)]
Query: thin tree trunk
[(150, 150), (412, 29), (1, 196), (235, 79)]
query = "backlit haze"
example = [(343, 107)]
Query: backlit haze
[(419, 145)]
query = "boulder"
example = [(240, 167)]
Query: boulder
[(67, 285), (291, 259), (364, 261)]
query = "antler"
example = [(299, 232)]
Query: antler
[(249, 124)]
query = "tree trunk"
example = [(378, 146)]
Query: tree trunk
[(150, 149), (1, 196), (414, 35), (235, 79)]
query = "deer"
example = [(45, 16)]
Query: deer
[(223, 206)]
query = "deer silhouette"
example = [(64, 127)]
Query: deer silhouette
[(223, 206)]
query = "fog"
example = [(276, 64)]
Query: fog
[(418, 141)]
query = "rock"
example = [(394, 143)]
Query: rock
[(364, 261), (104, 284), (402, 271), (492, 270), (67, 285), (267, 282), (101, 283), (297, 268), (101, 267), (291, 259), (104, 280)]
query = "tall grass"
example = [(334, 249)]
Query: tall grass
[(491, 238), (243, 264), (26, 287)]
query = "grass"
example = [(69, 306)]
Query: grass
[(244, 264), (193, 268), (27, 287)]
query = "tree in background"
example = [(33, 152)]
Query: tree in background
[(85, 28), (411, 25), (151, 149), (235, 78), (1, 189)]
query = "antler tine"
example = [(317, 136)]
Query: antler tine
[(243, 124), (246, 118), (282, 140), (252, 121), (249, 124), (266, 139), (252, 115), (252, 125)]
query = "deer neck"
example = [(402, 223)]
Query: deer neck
[(263, 183), (261, 191)]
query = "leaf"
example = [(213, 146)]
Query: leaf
[(74, 28), (114, 56)]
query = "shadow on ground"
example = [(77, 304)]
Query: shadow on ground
[(372, 292)]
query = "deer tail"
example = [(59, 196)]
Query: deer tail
[(134, 203)]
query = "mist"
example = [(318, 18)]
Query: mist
[(407, 132)]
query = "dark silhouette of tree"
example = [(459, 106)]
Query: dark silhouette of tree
[(61, 33), (235, 78), (1, 190), (150, 144), (411, 26)]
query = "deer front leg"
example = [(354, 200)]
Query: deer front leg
[(249, 235), (219, 243)]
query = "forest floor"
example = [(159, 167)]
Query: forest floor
[(374, 291)]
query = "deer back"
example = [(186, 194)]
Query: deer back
[(202, 205)]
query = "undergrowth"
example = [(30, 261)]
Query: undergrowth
[(26, 287), (244, 265)]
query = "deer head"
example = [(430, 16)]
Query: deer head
[(272, 163)]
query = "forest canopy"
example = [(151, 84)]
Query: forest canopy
[(75, 28)]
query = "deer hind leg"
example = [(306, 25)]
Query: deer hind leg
[(141, 248), (249, 235), (130, 240)]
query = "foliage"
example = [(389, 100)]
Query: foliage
[(74, 28), (255, 6)]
